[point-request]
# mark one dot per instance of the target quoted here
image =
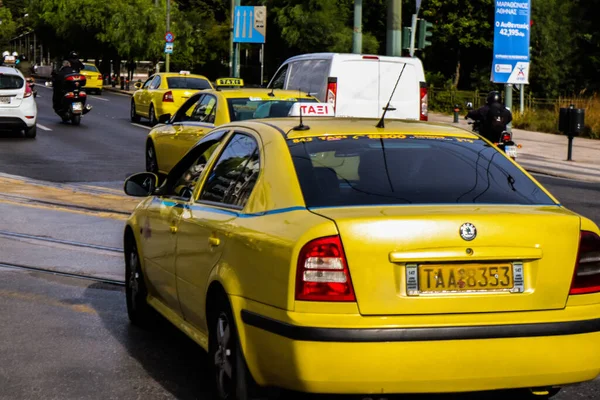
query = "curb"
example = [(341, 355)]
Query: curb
[(115, 90), (559, 175)]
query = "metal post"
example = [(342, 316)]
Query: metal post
[(168, 56), (262, 63), (522, 98), (34, 49), (508, 99), (413, 34), (394, 28), (235, 57), (357, 34), (570, 150)]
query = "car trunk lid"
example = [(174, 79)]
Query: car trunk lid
[(11, 90), (394, 252)]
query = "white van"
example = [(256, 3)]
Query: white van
[(358, 85)]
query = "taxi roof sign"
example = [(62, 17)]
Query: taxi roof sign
[(312, 110), (184, 72), (230, 82)]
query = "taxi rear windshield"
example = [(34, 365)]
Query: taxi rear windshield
[(177, 82), (90, 68), (11, 82), (241, 109), (405, 169)]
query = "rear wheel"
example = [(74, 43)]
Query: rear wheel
[(76, 120), (31, 133), (233, 381), (152, 115), (151, 161), (134, 116)]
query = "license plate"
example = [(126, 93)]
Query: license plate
[(5, 100), (458, 278), (511, 151), (77, 106)]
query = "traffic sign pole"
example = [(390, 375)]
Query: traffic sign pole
[(168, 56), (235, 56)]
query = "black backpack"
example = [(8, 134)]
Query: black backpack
[(495, 121)]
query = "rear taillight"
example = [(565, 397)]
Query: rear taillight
[(506, 137), (28, 91), (587, 269), (423, 95), (99, 77), (75, 78), (322, 273), (82, 94), (370, 58), (331, 91), (70, 95), (168, 97)]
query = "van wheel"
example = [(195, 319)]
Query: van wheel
[(233, 380), (31, 133)]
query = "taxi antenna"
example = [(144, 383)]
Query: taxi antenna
[(301, 127), (381, 123)]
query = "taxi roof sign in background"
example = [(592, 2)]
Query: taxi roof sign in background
[(250, 24), (511, 58)]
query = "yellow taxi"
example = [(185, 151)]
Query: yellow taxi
[(170, 140), (163, 93), (329, 255), (93, 78)]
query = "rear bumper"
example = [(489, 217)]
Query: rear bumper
[(16, 117), (419, 360), (12, 123)]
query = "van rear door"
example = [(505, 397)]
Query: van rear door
[(357, 87), (406, 103)]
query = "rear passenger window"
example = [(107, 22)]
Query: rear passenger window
[(279, 79), (309, 76), (235, 173)]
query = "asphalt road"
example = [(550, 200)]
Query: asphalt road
[(65, 338), (104, 149)]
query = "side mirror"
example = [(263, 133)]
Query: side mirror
[(469, 105), (165, 118), (138, 85), (141, 184)]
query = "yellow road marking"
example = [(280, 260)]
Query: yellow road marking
[(80, 308)]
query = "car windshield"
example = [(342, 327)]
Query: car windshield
[(91, 68), (187, 83), (11, 82), (248, 108), (353, 170)]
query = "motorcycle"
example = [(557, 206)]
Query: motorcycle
[(505, 142), (73, 101), (31, 84)]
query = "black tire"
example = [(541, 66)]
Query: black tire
[(151, 160), (133, 113), (139, 311), (152, 116), (64, 119), (31, 133), (232, 379), (99, 92), (76, 120)]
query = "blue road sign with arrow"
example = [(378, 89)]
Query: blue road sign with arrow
[(250, 24)]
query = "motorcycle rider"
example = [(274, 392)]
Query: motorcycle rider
[(70, 65), (493, 117)]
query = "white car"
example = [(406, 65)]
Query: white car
[(18, 109)]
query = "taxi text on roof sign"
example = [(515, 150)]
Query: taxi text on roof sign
[(230, 82), (312, 110)]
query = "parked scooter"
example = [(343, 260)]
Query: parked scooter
[(73, 98)]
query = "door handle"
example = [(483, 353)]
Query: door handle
[(213, 241)]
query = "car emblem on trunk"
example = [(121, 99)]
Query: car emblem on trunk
[(468, 231)]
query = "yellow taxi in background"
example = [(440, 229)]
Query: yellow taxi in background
[(93, 78), (164, 93), (168, 142), (336, 255)]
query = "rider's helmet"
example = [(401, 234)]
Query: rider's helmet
[(73, 55), (493, 97)]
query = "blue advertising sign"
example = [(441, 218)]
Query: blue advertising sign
[(511, 42), (249, 24), (168, 48)]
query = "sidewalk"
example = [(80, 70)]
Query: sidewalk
[(546, 153), (117, 89)]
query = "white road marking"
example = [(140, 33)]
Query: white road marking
[(98, 98), (141, 126), (43, 127)]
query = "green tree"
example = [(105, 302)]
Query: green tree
[(8, 27)]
